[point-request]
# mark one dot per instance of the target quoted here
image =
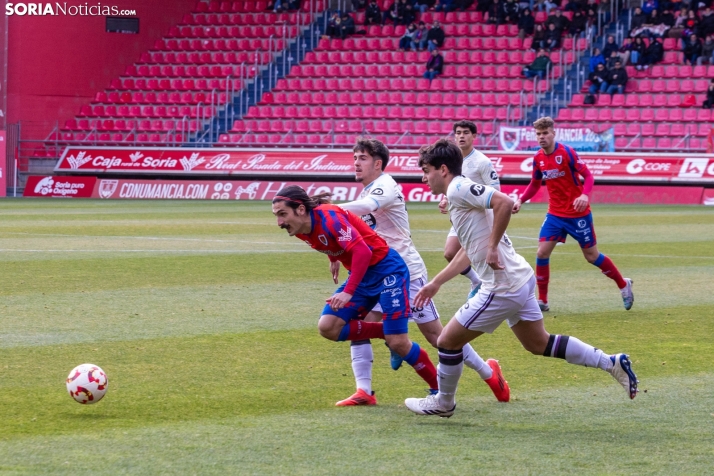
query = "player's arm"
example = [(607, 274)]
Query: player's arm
[(453, 269), (378, 198), (531, 190), (351, 241), (581, 203), (502, 206)]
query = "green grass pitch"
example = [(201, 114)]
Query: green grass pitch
[(204, 317)]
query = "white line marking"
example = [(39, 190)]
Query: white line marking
[(152, 251), (644, 256), (157, 238)]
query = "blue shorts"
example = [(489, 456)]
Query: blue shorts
[(386, 283), (558, 228)]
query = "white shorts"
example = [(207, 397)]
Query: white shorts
[(420, 315), (452, 232), (486, 311)]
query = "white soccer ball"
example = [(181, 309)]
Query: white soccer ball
[(87, 383)]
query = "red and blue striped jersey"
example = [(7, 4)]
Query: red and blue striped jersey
[(560, 170), (335, 231)]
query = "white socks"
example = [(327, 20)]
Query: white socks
[(362, 358), (474, 361)]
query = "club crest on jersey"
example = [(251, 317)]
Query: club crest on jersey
[(323, 239), (345, 235), (390, 280), (558, 159)]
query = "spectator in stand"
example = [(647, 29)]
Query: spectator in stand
[(637, 52), (706, 23), (526, 24), (678, 29), (709, 101), (483, 5), (424, 5), (654, 53), (616, 79), (649, 5), (552, 37), (591, 23), (577, 24), (510, 12), (623, 54), (539, 67), (435, 37), (434, 66), (560, 21), (538, 38), (544, 6), (707, 51), (609, 47), (690, 24), (409, 12), (596, 59), (358, 4), (598, 80), (392, 14), (667, 18), (420, 37), (373, 15), (333, 25), (692, 49), (463, 5), (639, 18), (495, 13), (347, 26), (407, 42), (445, 5)]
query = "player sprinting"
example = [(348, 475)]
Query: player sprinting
[(377, 275), (568, 210), (508, 290), (382, 207), (478, 168)]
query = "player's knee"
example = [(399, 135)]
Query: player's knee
[(328, 330), (535, 347), (444, 342), (433, 339), (542, 254), (399, 343)]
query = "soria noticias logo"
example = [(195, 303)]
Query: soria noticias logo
[(62, 9)]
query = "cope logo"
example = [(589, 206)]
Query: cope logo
[(637, 166)]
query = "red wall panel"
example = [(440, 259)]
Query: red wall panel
[(58, 63)]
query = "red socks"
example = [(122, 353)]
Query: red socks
[(610, 270), (360, 330), (542, 280), (426, 369)]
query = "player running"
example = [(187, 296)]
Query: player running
[(377, 275), (382, 207), (568, 210), (507, 293), (479, 169)]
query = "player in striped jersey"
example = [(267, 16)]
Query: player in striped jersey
[(381, 205), (568, 210), (508, 290), (479, 169), (377, 275)]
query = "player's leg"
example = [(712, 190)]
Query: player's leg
[(552, 232), (529, 329), (584, 231), (362, 360), (451, 247), (343, 324)]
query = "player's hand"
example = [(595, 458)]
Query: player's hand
[(444, 205), (335, 270), (425, 294), (339, 300), (581, 203), (492, 259), (516, 206)]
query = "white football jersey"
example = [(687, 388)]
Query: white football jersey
[(469, 204), (479, 168), (390, 220)]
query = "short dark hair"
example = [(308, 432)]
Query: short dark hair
[(442, 152), (375, 148), (467, 124), (295, 195)]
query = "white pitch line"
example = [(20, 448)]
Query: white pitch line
[(152, 251), (157, 238), (645, 256)]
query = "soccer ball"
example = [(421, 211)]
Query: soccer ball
[(87, 383)]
